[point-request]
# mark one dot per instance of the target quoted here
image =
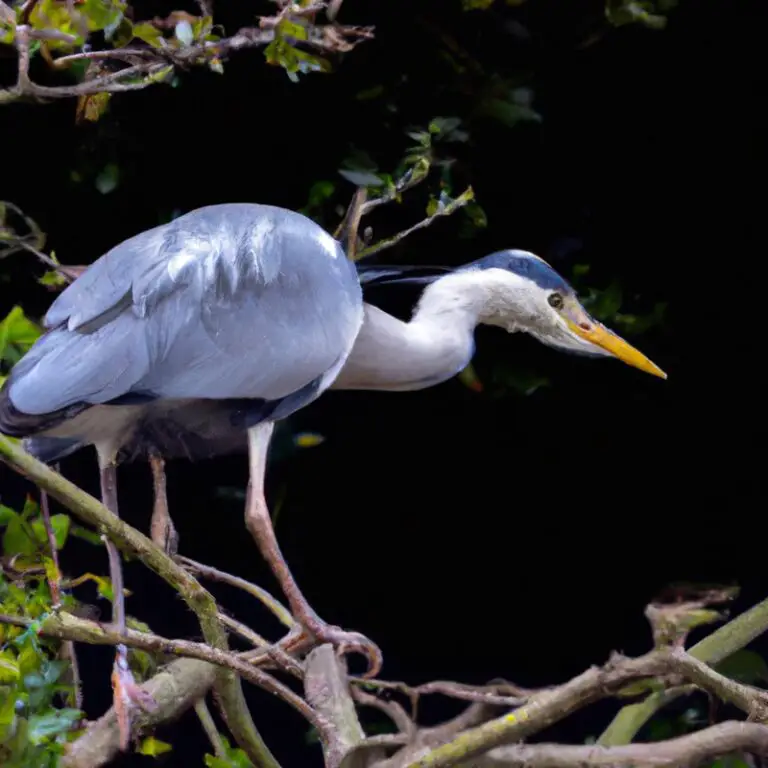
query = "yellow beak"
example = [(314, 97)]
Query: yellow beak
[(600, 336)]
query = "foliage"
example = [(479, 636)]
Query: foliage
[(37, 716)]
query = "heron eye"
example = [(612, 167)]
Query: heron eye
[(555, 300)]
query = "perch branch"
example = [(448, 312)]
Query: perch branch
[(327, 690), (129, 540), (65, 626)]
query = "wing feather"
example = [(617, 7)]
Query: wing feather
[(229, 301)]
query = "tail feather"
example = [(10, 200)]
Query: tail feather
[(16, 423)]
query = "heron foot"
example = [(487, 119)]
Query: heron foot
[(128, 695), (315, 631)]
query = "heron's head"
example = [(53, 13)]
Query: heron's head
[(528, 295)]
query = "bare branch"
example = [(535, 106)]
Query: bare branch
[(327, 690), (682, 752), (65, 626), (446, 210)]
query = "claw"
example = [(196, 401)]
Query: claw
[(344, 642)]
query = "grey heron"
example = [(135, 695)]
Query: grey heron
[(196, 336)]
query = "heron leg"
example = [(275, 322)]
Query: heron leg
[(258, 521), (162, 529), (126, 692)]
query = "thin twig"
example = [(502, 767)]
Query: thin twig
[(488, 694), (392, 709), (211, 731), (54, 579), (209, 572), (464, 198)]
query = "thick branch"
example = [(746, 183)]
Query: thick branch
[(683, 752), (175, 688), (545, 708), (327, 690), (129, 540)]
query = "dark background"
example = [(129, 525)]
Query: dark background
[(472, 535)]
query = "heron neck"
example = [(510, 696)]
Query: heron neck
[(435, 345)]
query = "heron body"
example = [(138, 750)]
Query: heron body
[(184, 336), (196, 336)]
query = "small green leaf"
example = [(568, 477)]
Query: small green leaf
[(108, 179), (86, 535), (149, 34), (16, 540), (6, 514), (745, 666), (9, 671), (152, 747), (42, 727), (361, 178)]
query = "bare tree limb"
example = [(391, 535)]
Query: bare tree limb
[(174, 688), (683, 752), (327, 690)]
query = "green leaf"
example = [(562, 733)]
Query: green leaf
[(9, 671), (149, 34), (16, 540), (152, 747), (361, 178), (86, 535), (42, 727), (52, 279), (108, 178), (6, 514), (744, 666), (60, 525), (17, 334)]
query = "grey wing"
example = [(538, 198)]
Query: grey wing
[(230, 301)]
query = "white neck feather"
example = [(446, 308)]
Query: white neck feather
[(438, 341)]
